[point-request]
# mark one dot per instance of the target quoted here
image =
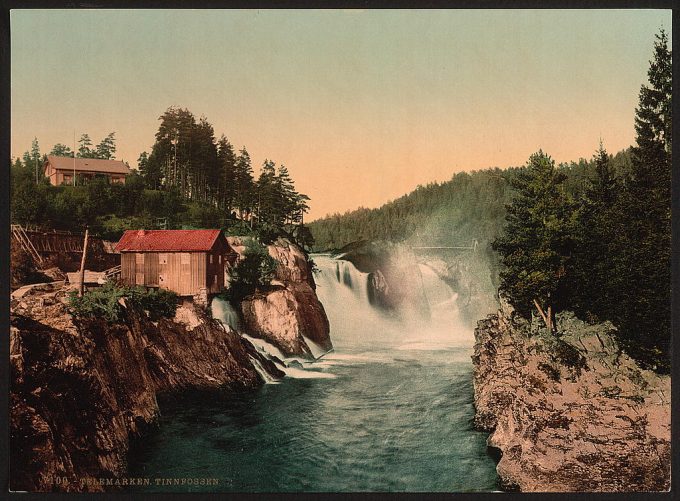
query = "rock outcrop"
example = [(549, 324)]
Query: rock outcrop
[(289, 314), (80, 389), (569, 412)]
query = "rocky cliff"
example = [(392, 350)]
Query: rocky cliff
[(289, 314), (81, 389), (572, 412)]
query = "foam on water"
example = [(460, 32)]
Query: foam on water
[(390, 409)]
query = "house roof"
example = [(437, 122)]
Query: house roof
[(168, 240), (88, 164)]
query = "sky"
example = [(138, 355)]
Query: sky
[(361, 106)]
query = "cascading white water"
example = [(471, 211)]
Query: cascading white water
[(343, 290), (390, 409), (225, 313)]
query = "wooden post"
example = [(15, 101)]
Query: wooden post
[(82, 266), (542, 313)]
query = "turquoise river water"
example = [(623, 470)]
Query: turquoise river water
[(390, 409)]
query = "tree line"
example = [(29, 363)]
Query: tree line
[(189, 180), (187, 157), (607, 253)]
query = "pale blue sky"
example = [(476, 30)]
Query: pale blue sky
[(360, 106)]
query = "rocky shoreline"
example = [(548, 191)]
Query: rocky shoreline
[(80, 390), (569, 413)]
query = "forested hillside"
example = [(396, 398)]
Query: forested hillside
[(471, 206), (190, 179)]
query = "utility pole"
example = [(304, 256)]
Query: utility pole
[(74, 157), (82, 266)]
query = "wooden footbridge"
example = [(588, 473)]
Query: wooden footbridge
[(442, 248)]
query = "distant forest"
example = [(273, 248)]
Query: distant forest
[(471, 206), (592, 236), (190, 180)]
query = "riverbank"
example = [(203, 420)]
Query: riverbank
[(81, 389), (572, 413)]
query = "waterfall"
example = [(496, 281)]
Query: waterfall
[(343, 290), (224, 312)]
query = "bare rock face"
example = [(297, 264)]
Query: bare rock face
[(569, 413), (290, 313), (80, 389)]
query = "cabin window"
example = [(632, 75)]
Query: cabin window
[(214, 279), (162, 258), (139, 258), (219, 258), (185, 258), (211, 259)]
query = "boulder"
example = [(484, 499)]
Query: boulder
[(285, 317), (288, 312)]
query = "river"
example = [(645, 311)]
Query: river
[(390, 409)]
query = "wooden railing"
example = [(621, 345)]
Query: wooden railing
[(20, 236)]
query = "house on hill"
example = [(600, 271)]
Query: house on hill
[(60, 170), (188, 262)]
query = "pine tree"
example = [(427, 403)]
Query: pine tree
[(227, 174), (537, 242), (61, 150), (106, 149), (593, 284), (85, 151), (645, 268), (244, 184)]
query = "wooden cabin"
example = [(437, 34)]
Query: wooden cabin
[(60, 170), (188, 262)]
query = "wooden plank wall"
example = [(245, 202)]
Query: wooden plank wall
[(127, 268), (182, 272)]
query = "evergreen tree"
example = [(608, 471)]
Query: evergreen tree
[(593, 285), (536, 244), (644, 311), (150, 171), (85, 150), (61, 150), (106, 149), (227, 174), (35, 160), (244, 184), (268, 196)]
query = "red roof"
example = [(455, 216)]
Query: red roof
[(167, 240), (88, 165)]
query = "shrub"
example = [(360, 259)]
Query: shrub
[(254, 270), (158, 302), (104, 302)]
